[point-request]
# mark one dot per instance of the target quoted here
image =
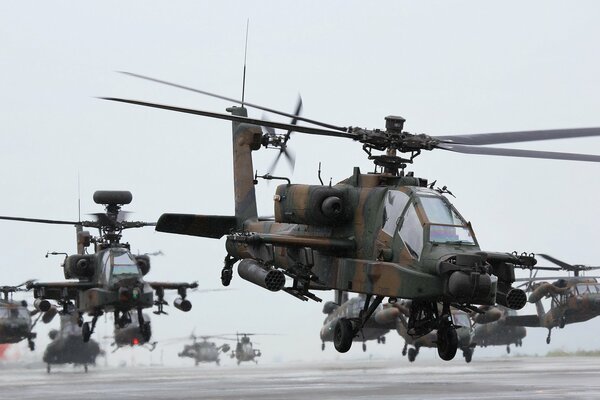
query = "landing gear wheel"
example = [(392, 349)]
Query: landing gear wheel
[(507, 349), (48, 368), (562, 322), (86, 332), (31, 344), (343, 333), (226, 275), (323, 346), (447, 342), (412, 354), (364, 347), (468, 354), (146, 331), (382, 340), (548, 339), (85, 368)]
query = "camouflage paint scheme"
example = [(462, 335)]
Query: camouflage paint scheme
[(383, 320), (497, 332), (15, 322), (573, 300), (348, 251)]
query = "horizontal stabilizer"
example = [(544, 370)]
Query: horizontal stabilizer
[(211, 226), (523, 320)]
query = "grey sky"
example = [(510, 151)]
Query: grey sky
[(447, 67)]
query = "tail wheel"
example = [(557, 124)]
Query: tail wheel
[(146, 330), (468, 354), (447, 342), (343, 333)]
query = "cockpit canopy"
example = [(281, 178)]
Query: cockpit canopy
[(422, 216), (119, 264), (14, 313)]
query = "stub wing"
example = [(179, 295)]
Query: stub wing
[(59, 290), (172, 285)]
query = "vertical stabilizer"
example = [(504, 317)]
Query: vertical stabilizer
[(246, 138)]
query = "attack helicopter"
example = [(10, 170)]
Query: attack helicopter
[(460, 319), (244, 349), (384, 234), (111, 278), (573, 299), (15, 318), (204, 351), (383, 319), (491, 328), (66, 346), (131, 336)]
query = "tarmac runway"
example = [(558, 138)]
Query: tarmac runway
[(503, 378)]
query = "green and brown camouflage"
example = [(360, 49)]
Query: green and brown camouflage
[(572, 300), (375, 234), (490, 328)]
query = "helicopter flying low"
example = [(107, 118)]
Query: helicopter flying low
[(386, 234), (111, 278), (461, 321), (66, 346), (16, 323), (491, 328), (204, 351), (573, 299), (384, 319)]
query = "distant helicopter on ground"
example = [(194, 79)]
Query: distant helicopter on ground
[(16, 323), (573, 299), (491, 328), (383, 320), (67, 347), (204, 351), (383, 234), (244, 350), (461, 321), (110, 279)]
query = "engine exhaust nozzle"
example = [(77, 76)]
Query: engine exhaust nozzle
[(42, 305), (182, 304)]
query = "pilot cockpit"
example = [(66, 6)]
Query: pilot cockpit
[(120, 264)]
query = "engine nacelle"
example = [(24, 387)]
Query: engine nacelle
[(182, 304), (489, 315), (271, 279), (79, 266), (312, 205), (42, 305), (143, 263), (386, 316)]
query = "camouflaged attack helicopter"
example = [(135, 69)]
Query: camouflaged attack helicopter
[(111, 278), (204, 351), (492, 327), (382, 321), (16, 323), (460, 320), (572, 299), (384, 234)]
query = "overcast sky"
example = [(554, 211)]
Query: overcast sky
[(447, 67)]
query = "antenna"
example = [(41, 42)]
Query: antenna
[(245, 54), (78, 198)]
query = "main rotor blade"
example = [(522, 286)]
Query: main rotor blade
[(519, 136), (237, 118), (245, 103), (495, 151), (556, 261), (42, 221)]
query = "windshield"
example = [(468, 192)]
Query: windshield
[(411, 232), (461, 319), (450, 234), (439, 212), (124, 264), (395, 203), (584, 288), (446, 225)]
